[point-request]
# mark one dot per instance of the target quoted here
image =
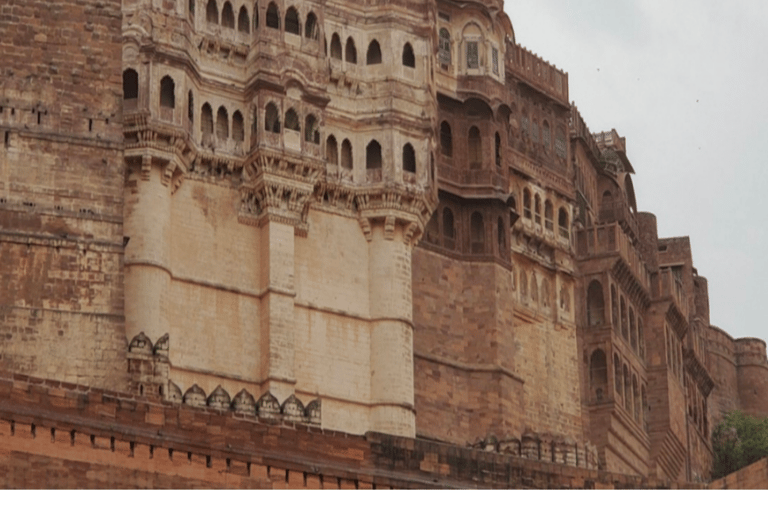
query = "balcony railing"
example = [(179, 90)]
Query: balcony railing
[(610, 239), (618, 211), (667, 284)]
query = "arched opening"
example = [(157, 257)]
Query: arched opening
[(409, 59), (617, 382), (212, 12), (238, 127), (191, 108), (537, 209), (311, 131), (446, 139), (607, 198), (632, 330), (191, 10), (595, 304), (501, 236), (623, 319), (311, 30), (627, 390), (449, 232), (350, 52), (523, 285), (335, 46), (534, 288), (497, 149), (373, 55), (546, 136), (273, 16), (477, 233), (614, 309), (635, 399), (227, 16), (255, 16), (331, 150), (644, 404), (409, 158), (130, 84), (292, 121), (562, 222), (640, 340), (444, 48), (548, 215), (598, 375), (561, 148), (292, 22), (272, 118), (206, 120), (167, 92), (475, 150), (527, 203), (242, 21), (373, 155), (346, 154), (222, 124)]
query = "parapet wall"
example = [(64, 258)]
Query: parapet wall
[(59, 435), (752, 369)]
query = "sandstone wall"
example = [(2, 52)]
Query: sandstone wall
[(61, 182)]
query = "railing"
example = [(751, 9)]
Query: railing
[(539, 72), (604, 240), (478, 176), (618, 211), (667, 284)]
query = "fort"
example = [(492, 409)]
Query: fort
[(329, 244)]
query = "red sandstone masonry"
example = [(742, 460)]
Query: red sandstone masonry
[(98, 439)]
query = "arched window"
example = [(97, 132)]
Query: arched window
[(409, 60), (255, 16), (607, 198), (473, 55), (534, 288), (222, 124), (477, 233), (191, 107), (561, 150), (640, 340), (409, 158), (497, 149), (346, 154), (537, 209), (627, 390), (273, 16), (444, 48), (617, 382), (335, 46), (632, 331), (546, 136), (130, 84), (526, 203), (501, 236), (310, 29), (562, 222), (635, 399), (595, 304), (615, 309), (272, 118), (350, 53), (598, 375), (523, 286), (242, 21), (167, 92), (373, 56), (311, 132), (292, 121), (227, 16), (212, 12), (644, 403), (206, 120), (475, 148), (535, 131), (373, 155), (331, 150), (238, 128), (446, 139), (191, 10), (449, 232), (292, 23), (548, 215), (624, 330)]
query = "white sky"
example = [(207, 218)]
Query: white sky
[(685, 82)]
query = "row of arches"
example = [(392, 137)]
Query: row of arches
[(532, 210), (373, 155), (221, 127), (292, 122), (474, 50), (372, 56), (629, 391), (624, 320), (442, 229), (292, 20)]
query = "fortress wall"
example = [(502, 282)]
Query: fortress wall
[(61, 183), (722, 367), (752, 371), (58, 435)]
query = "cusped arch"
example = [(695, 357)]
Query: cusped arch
[(373, 55), (227, 16), (219, 399), (292, 21), (130, 84), (409, 59), (311, 27), (350, 51), (243, 24), (273, 16), (212, 12)]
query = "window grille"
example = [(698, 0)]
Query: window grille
[(473, 57)]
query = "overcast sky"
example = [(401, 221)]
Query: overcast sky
[(686, 82)]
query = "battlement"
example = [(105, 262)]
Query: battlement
[(539, 73), (750, 351), (580, 130)]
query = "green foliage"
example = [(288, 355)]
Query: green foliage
[(738, 441)]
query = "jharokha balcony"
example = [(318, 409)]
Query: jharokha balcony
[(611, 240)]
